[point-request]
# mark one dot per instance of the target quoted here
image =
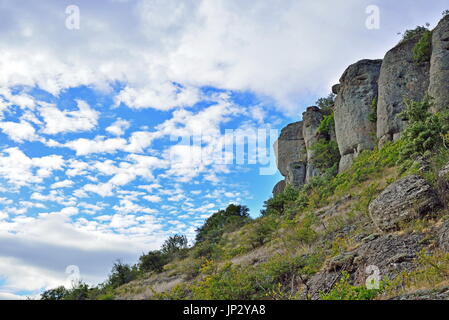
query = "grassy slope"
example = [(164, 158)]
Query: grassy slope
[(273, 256)]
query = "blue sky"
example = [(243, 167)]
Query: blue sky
[(90, 117)]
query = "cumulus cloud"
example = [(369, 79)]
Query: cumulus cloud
[(277, 50), (62, 184), (57, 121), (36, 251), (20, 170), (19, 131), (119, 127)]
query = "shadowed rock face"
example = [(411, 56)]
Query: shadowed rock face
[(354, 131), (439, 68), (279, 187), (407, 199), (400, 77), (291, 154), (312, 119)]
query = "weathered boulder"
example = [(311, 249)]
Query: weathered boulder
[(279, 187), (406, 199), (400, 77), (429, 294), (444, 173), (296, 174), (336, 88), (439, 66), (443, 185), (312, 119), (358, 89), (443, 236), (291, 154), (391, 254)]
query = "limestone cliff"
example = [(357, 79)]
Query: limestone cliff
[(370, 98), (400, 77), (358, 89), (291, 154), (312, 119), (439, 65)]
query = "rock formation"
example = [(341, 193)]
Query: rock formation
[(439, 66), (279, 187), (291, 154), (312, 119), (400, 77), (406, 199), (357, 92), (370, 97)]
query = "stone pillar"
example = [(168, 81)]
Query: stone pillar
[(354, 131)]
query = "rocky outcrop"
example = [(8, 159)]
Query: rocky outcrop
[(312, 119), (400, 77), (291, 154), (354, 130), (391, 254), (443, 186), (408, 198), (369, 99), (432, 294), (279, 187), (443, 236), (439, 66)]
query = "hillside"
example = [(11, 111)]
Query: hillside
[(364, 200)]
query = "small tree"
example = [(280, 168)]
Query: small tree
[(411, 33), (153, 261), (174, 244), (326, 104), (426, 132), (121, 274), (54, 294), (233, 217), (79, 291)]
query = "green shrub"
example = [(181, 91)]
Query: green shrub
[(280, 202), (373, 113), (54, 294), (153, 261), (343, 290), (423, 49), (326, 104), (327, 125), (121, 274), (228, 220), (426, 132), (79, 291), (419, 30), (445, 13), (325, 154), (261, 233)]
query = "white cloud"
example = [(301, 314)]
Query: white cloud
[(161, 96), (57, 121), (119, 127), (277, 50), (19, 131), (62, 184), (20, 170), (36, 251), (153, 198), (84, 146)]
